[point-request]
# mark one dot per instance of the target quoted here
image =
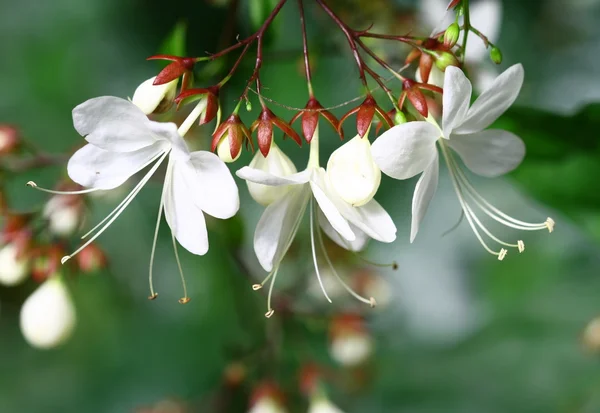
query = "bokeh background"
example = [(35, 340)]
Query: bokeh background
[(457, 332)]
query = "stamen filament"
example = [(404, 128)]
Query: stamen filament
[(51, 191), (270, 310), (116, 215), (185, 298), (314, 253), (153, 295), (359, 297)]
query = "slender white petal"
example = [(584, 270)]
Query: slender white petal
[(457, 96), (493, 102), (265, 178), (93, 167), (353, 173), (424, 192), (405, 150), (210, 183), (167, 131), (113, 124), (185, 218), (148, 97), (490, 153), (338, 222), (359, 243), (278, 225)]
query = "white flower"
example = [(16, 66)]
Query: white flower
[(48, 315), (63, 213), (276, 163), (323, 405), (353, 173), (348, 226), (409, 149), (14, 268), (266, 405), (150, 98), (122, 141), (351, 348)]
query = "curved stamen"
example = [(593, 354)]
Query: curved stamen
[(144, 180), (153, 295), (314, 252), (52, 191), (185, 298), (371, 301), (270, 310)]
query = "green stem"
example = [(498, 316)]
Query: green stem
[(467, 24)]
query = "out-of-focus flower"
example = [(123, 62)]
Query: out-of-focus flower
[(275, 163), (350, 342), (591, 335), (9, 139), (323, 405), (15, 260), (46, 262), (48, 315), (409, 149), (64, 214), (152, 98), (91, 259), (353, 173), (267, 398)]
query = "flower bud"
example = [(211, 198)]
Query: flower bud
[(451, 35), (591, 336), (9, 139), (46, 262), (224, 149), (152, 98), (63, 213), (353, 173), (445, 59), (48, 315), (351, 344), (276, 163), (322, 405), (496, 55), (91, 259), (399, 117), (14, 266), (267, 398)]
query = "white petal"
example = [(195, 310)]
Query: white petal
[(184, 217), (338, 222), (276, 163), (278, 225), (456, 97), (211, 184), (93, 167), (265, 178), (423, 194), (148, 96), (490, 153), (353, 173), (436, 77), (113, 124), (167, 132), (486, 15), (494, 101), (359, 243), (48, 315), (405, 150), (13, 268)]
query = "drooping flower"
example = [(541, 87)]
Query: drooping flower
[(353, 173), (409, 149), (48, 315), (348, 226), (122, 141), (275, 163)]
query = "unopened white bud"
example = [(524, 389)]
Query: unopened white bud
[(351, 348), (276, 163), (150, 98), (63, 216), (353, 172), (267, 405), (224, 149), (48, 315), (323, 405), (13, 269)]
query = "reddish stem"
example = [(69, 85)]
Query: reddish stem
[(305, 49)]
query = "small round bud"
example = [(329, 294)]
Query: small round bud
[(399, 118), (248, 106), (9, 139), (152, 98), (451, 35), (353, 172), (224, 149), (48, 315), (14, 268), (445, 59), (496, 55)]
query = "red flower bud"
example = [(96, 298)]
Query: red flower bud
[(415, 96), (9, 139), (178, 67), (211, 94), (46, 262), (234, 130), (91, 259), (310, 118), (264, 127), (365, 113)]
